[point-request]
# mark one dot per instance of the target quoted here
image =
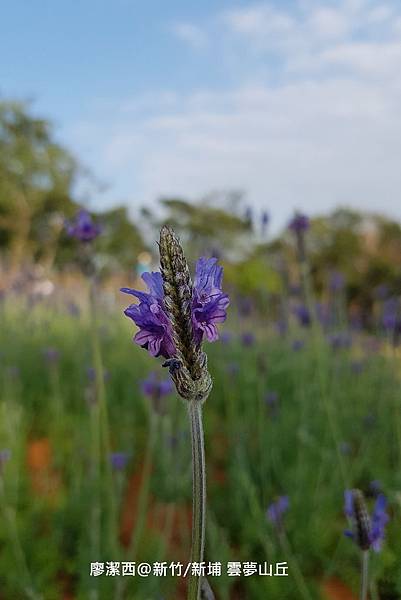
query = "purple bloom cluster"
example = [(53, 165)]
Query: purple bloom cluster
[(83, 227), (209, 305), (299, 223), (336, 281), (378, 521), (277, 509), (303, 315), (119, 460)]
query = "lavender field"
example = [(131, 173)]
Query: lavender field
[(95, 443)]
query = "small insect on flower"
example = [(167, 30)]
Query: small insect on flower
[(83, 228), (277, 509), (367, 531)]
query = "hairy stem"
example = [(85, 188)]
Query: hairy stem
[(364, 575), (198, 495)]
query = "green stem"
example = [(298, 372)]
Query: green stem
[(294, 566), (198, 495), (364, 575), (104, 430)]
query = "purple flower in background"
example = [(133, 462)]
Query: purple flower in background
[(209, 303), (302, 314), (341, 339), (157, 389), (152, 387), (381, 291), (83, 228), (277, 509), (345, 448), (233, 369), (390, 310), (336, 281), (208, 307), (375, 488), (226, 337), (297, 345), (119, 460), (299, 223), (323, 314), (247, 339), (5, 455), (91, 374), (357, 366), (271, 398), (248, 214), (265, 221), (368, 531), (51, 356), (244, 306)]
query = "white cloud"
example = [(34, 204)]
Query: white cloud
[(191, 34), (326, 132)]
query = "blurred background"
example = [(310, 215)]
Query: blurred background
[(268, 135)]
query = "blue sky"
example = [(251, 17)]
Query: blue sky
[(295, 103)]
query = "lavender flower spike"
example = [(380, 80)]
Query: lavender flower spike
[(367, 532), (188, 367), (83, 228)]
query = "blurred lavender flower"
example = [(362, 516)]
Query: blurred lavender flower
[(226, 337), (232, 368), (299, 223), (244, 306), (375, 488), (357, 366), (345, 448), (157, 389), (91, 374), (281, 327), (73, 309), (336, 281), (381, 292), (367, 532), (83, 228), (271, 400), (247, 339), (297, 345), (265, 221), (302, 314), (340, 340), (323, 314), (51, 356), (248, 214), (390, 311), (277, 509), (119, 460), (5, 455), (208, 308)]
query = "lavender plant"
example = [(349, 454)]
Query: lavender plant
[(174, 318), (367, 531)]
